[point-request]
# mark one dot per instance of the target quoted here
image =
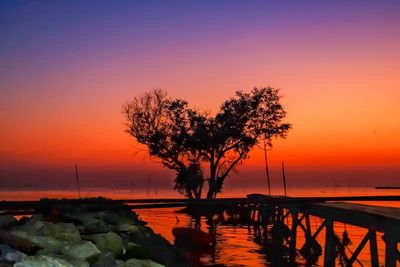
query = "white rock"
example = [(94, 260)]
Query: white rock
[(43, 261), (84, 250), (46, 242)]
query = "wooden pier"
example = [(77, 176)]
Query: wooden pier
[(375, 219), (292, 215)]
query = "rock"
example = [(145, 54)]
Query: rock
[(8, 253), (112, 218), (120, 263), (141, 263), (76, 262), (31, 226), (63, 231), (108, 242), (95, 225), (106, 259), (7, 221), (48, 235), (133, 250), (112, 233), (35, 217), (48, 243), (130, 228), (22, 244), (43, 261), (84, 250), (4, 263)]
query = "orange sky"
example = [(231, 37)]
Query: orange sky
[(339, 74)]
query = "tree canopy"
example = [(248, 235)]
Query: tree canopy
[(194, 143)]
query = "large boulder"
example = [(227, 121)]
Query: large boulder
[(43, 261), (133, 250), (47, 243), (142, 263), (112, 217), (88, 222), (31, 226), (127, 227), (106, 259), (84, 250), (7, 221), (108, 242), (95, 225), (8, 253), (48, 235), (76, 262), (62, 231)]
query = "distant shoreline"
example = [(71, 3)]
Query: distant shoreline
[(387, 187)]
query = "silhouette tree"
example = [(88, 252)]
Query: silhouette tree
[(190, 141)]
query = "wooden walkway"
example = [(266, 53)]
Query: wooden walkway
[(373, 218)]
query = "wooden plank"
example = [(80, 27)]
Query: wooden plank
[(323, 199), (156, 205)]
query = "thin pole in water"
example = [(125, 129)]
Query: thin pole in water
[(266, 168), (284, 178), (77, 180)]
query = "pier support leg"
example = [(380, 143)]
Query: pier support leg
[(293, 236), (329, 252), (390, 251), (373, 249)]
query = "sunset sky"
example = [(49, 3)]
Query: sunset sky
[(66, 68)]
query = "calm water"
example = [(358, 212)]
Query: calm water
[(236, 244)]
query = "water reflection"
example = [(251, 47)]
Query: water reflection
[(239, 242), (207, 247)]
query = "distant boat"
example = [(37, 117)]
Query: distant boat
[(387, 187)]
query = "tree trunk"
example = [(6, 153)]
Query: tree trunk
[(189, 193), (211, 182), (211, 189)]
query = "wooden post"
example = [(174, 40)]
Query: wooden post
[(293, 236), (329, 252), (266, 168), (309, 237), (373, 249), (284, 178), (77, 180), (390, 250)]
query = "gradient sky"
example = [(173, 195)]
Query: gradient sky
[(66, 67)]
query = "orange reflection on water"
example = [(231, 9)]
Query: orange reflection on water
[(236, 244)]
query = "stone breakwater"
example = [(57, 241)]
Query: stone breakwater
[(83, 233)]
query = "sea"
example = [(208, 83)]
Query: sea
[(236, 244)]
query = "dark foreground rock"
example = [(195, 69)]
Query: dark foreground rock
[(83, 233)]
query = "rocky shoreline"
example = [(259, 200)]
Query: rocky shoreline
[(82, 233)]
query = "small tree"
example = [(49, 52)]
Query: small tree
[(188, 141)]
